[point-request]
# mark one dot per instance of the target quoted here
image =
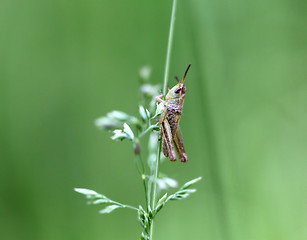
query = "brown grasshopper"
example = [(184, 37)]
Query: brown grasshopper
[(170, 119)]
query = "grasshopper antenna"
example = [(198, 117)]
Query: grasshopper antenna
[(186, 73), (177, 79)]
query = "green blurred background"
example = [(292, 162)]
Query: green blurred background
[(64, 63)]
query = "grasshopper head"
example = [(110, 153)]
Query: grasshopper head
[(179, 90)]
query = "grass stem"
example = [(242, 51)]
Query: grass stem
[(167, 64), (169, 46)]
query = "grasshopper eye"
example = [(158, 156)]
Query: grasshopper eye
[(178, 90)]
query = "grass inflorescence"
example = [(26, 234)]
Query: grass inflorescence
[(133, 129)]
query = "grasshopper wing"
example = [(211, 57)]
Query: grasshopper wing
[(178, 141), (167, 141)]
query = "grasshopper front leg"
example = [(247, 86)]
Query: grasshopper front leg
[(159, 99)]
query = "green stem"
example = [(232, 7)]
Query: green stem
[(168, 56), (155, 185), (156, 176), (147, 130), (131, 207), (124, 205), (169, 46), (144, 182), (142, 173)]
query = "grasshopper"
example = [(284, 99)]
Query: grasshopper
[(170, 130)]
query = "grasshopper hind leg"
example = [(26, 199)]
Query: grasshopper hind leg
[(178, 141), (164, 148), (167, 141)]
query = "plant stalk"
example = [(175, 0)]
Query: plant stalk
[(166, 72), (169, 46)]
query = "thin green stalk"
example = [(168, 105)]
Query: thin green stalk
[(138, 163), (125, 206), (144, 182), (168, 56), (156, 176), (155, 184), (169, 46), (145, 188), (142, 173), (147, 130)]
